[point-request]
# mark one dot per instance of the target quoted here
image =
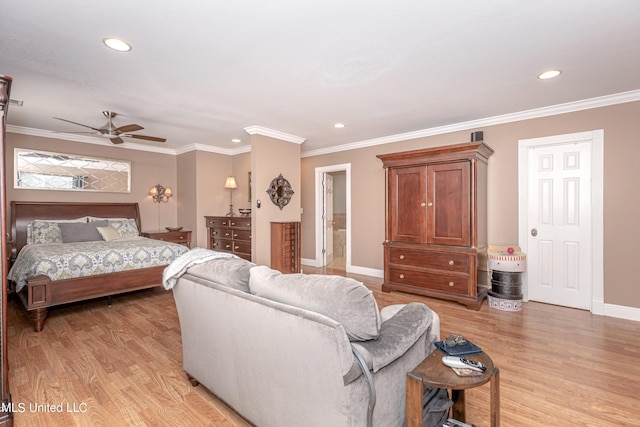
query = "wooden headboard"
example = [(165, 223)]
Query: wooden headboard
[(22, 213)]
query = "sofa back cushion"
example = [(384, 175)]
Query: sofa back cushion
[(231, 272), (342, 299)]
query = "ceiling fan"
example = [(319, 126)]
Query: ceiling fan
[(109, 130)]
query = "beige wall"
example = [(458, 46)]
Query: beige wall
[(198, 187), (269, 158), (147, 170), (621, 199), (241, 167)]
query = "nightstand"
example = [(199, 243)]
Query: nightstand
[(183, 236)]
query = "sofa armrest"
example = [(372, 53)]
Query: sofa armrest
[(397, 334)]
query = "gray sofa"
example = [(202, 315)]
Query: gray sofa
[(278, 348)]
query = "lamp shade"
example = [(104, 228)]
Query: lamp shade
[(230, 183), (168, 192)]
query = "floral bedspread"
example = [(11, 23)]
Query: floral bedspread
[(68, 260)]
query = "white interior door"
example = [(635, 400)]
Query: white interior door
[(559, 237), (328, 218)]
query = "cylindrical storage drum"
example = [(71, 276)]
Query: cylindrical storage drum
[(506, 284), (506, 265)]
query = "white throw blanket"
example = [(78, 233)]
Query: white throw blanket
[(195, 256)]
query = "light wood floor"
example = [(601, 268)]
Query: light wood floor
[(122, 365)]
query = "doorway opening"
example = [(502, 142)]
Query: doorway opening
[(333, 217)]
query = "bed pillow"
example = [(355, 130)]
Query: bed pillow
[(342, 299), (81, 232), (47, 231), (127, 227), (109, 234)]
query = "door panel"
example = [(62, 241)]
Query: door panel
[(559, 238)]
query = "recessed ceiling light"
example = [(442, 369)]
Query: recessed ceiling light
[(549, 74), (117, 44), (338, 125), (235, 140)]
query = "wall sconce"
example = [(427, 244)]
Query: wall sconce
[(160, 193), (231, 185)]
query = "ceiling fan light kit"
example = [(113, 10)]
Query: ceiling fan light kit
[(114, 133)]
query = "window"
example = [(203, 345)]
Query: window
[(55, 171)]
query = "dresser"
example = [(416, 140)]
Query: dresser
[(436, 222), (6, 414), (230, 234), (183, 236), (285, 247)]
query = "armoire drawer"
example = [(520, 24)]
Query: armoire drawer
[(457, 284), (446, 261)]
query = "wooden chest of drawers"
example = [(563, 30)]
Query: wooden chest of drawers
[(229, 234), (285, 247)]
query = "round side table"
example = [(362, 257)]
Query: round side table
[(431, 372)]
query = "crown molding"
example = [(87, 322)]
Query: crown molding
[(212, 149), (569, 107), (259, 130), (602, 101)]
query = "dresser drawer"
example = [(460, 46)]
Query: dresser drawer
[(239, 234), (242, 247), (240, 222), (223, 245), (223, 233), (457, 284), (446, 261), (215, 221)]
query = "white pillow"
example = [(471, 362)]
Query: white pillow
[(127, 227), (342, 299), (109, 234)]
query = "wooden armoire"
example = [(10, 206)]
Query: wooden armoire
[(436, 222), (6, 414)]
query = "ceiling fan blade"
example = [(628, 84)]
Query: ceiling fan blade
[(148, 138), (75, 123), (117, 140), (128, 128)]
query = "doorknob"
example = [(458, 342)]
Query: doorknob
[(534, 232)]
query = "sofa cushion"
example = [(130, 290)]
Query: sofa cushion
[(342, 299), (232, 272)]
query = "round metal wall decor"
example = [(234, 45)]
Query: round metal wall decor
[(280, 191)]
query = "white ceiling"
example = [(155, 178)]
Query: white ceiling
[(201, 71)]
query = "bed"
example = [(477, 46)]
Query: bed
[(128, 262)]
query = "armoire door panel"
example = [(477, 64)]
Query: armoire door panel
[(448, 219), (407, 200)]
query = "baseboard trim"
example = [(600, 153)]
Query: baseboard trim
[(366, 271), (622, 312), (309, 262)]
